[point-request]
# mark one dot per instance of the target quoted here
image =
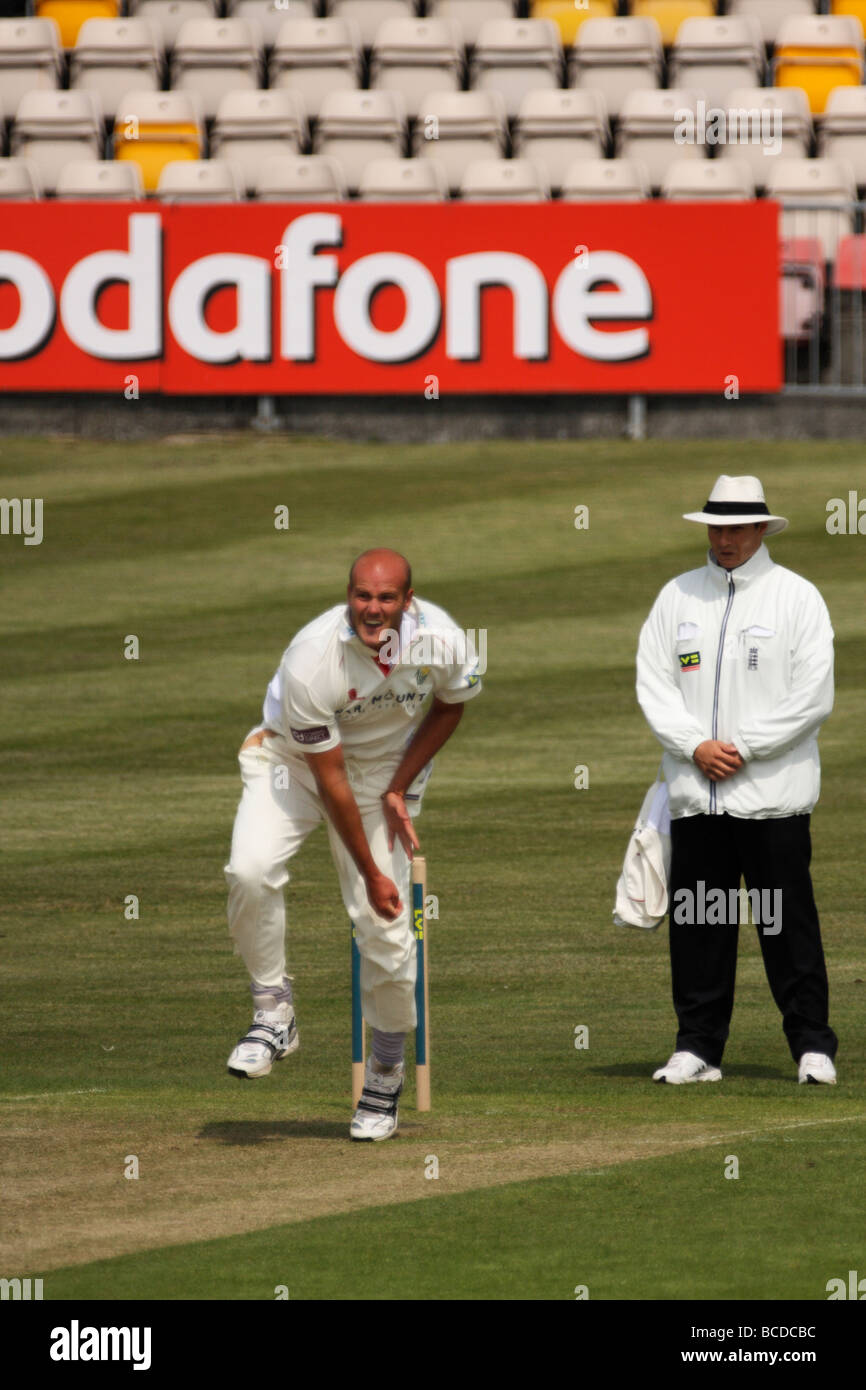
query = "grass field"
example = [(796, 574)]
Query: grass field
[(558, 1167)]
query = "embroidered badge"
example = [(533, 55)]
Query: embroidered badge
[(753, 659), (690, 661)]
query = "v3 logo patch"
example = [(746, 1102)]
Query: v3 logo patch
[(690, 661)]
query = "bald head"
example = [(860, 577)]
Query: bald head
[(382, 566)]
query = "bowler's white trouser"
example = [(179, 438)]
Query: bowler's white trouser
[(272, 822)]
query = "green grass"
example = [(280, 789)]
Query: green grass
[(120, 778)]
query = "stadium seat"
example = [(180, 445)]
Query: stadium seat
[(605, 181), (315, 56), (819, 53), (816, 181), (19, 180), (368, 15), (300, 178), (649, 125), (568, 17), (69, 15), (153, 129), (849, 272), (843, 130), (213, 56), (402, 181), (855, 8), (503, 181), (169, 16), (555, 128), (253, 126), (764, 124), (198, 181), (30, 57), (416, 56), (53, 127), (113, 57), (707, 180), (670, 14), (712, 56), (616, 57), (270, 15), (456, 128), (102, 180), (769, 13), (801, 289), (355, 127), (471, 14), (516, 56)]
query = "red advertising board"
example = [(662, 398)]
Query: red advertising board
[(363, 299)]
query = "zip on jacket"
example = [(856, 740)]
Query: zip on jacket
[(719, 651)]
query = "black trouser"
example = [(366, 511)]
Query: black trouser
[(713, 852)]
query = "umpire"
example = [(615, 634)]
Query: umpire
[(735, 678)]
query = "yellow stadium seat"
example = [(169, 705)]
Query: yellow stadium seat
[(157, 128), (669, 14), (568, 15), (819, 53), (856, 8), (71, 14)]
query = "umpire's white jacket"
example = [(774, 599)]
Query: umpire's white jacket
[(744, 656)]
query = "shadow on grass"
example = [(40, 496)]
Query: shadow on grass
[(752, 1072), (249, 1132)]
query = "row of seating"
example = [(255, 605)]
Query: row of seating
[(413, 56), (761, 130), (567, 16)]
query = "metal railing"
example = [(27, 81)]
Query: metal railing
[(823, 297)]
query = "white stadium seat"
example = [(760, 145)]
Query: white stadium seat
[(516, 56), (355, 127), (270, 15), (819, 181), (30, 57), (708, 180), (199, 181), (416, 56), (19, 180), (555, 128), (402, 181), (503, 181), (99, 179), (763, 124), (53, 127), (316, 56), (605, 180), (212, 56), (253, 126), (300, 178), (713, 56), (456, 128), (648, 127), (369, 15), (843, 130), (770, 14), (113, 57), (616, 57), (471, 14), (168, 16)]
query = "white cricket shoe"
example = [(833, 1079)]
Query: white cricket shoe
[(376, 1116), (817, 1067), (273, 1035), (684, 1067)]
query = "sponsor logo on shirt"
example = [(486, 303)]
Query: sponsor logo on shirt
[(372, 703), (317, 735), (690, 661)]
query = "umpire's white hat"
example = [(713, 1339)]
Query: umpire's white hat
[(736, 502)]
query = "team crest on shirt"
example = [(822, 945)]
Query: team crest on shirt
[(690, 661), (421, 675)]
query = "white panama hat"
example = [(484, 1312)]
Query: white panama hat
[(736, 502)]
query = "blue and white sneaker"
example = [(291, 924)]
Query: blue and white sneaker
[(376, 1115), (273, 1035), (684, 1067)]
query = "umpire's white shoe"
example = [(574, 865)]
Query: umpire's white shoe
[(376, 1116), (684, 1067), (817, 1067), (274, 1035)]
